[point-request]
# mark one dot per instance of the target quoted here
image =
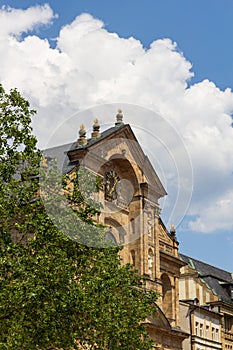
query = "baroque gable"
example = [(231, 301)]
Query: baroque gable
[(130, 194), (117, 147)]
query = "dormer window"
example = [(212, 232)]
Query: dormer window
[(231, 292), (228, 286)]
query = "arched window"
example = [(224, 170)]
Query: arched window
[(167, 295), (133, 257), (116, 230), (132, 226)]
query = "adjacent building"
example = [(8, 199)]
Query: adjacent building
[(206, 307)]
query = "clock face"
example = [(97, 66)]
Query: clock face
[(111, 181)]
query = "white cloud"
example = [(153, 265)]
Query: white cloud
[(217, 216), (91, 66), (16, 21)]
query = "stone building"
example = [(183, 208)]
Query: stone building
[(130, 194), (206, 294)]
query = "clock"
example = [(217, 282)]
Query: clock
[(111, 181)]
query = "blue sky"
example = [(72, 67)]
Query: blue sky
[(202, 29), (198, 69)]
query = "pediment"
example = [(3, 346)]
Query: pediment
[(119, 144)]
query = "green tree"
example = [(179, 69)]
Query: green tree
[(56, 293)]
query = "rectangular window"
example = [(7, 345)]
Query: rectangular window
[(213, 334), (217, 335), (201, 330), (196, 328)]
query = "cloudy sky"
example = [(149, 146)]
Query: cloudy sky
[(171, 58)]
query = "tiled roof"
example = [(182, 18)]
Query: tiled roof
[(216, 278), (60, 154)]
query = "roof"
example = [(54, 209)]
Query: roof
[(60, 152), (217, 279)]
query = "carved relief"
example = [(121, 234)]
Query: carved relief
[(111, 181)]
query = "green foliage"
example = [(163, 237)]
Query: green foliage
[(56, 293)]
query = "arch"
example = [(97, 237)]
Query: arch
[(124, 168), (116, 230), (128, 167), (109, 237), (166, 295)]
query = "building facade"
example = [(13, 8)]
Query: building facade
[(202, 324), (206, 294), (130, 194)]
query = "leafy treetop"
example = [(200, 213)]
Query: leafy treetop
[(56, 293)]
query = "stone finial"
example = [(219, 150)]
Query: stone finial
[(173, 231), (119, 118), (82, 136), (96, 129)]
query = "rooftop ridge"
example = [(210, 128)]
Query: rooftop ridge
[(207, 264)]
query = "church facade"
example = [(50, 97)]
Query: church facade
[(130, 194)]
